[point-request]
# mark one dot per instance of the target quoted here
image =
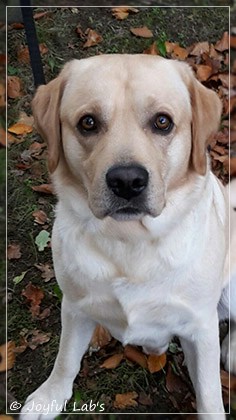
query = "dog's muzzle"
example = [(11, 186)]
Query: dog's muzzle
[(128, 184)]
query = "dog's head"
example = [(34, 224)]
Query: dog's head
[(127, 128)]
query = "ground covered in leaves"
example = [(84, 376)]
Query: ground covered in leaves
[(124, 380)]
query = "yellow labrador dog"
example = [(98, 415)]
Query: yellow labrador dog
[(140, 237)]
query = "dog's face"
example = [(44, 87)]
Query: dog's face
[(128, 128)]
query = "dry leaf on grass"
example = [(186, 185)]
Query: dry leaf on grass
[(145, 399), (203, 72), (143, 32), (40, 15), (199, 48), (152, 50), (156, 362), (13, 252), (126, 400), (179, 53), (34, 295), (14, 87), (20, 129), (223, 43), (101, 337), (43, 188), (113, 361), (2, 96), (93, 38), (23, 55), (7, 356), (47, 271), (3, 136), (135, 355), (121, 13), (40, 217)]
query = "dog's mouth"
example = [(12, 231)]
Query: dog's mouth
[(126, 213)]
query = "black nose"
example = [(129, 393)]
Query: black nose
[(127, 181)]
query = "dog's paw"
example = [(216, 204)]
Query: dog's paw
[(228, 352), (46, 402)]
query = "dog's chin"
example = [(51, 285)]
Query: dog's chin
[(127, 214)]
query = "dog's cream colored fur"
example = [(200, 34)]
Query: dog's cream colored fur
[(146, 277)]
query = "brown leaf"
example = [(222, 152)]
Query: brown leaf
[(39, 15), (14, 87), (101, 337), (13, 252), (223, 43), (170, 46), (17, 25), (20, 129), (200, 48), (2, 96), (43, 188), (3, 136), (40, 217), (36, 148), (44, 314), (7, 356), (113, 361), (126, 400), (173, 382), (121, 13), (36, 338), (46, 270), (34, 295), (79, 31), (152, 50), (143, 32), (23, 55), (233, 42), (179, 52), (232, 165), (203, 72), (145, 399), (135, 355), (156, 362), (93, 38)]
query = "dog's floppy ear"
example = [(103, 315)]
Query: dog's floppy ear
[(206, 113), (46, 111)]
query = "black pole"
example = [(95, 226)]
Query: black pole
[(31, 36)]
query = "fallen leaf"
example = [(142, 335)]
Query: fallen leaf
[(40, 217), (13, 252), (121, 13), (20, 129), (203, 72), (126, 400), (170, 46), (14, 87), (156, 362), (23, 55), (26, 119), (152, 50), (3, 136), (113, 361), (34, 295), (93, 38), (44, 314), (44, 188), (179, 53), (173, 382), (2, 96), (135, 355), (101, 337), (145, 399), (233, 42), (228, 381), (199, 48), (17, 25), (38, 338), (7, 356), (79, 31), (42, 240), (40, 15), (223, 43), (143, 32), (47, 271), (19, 278)]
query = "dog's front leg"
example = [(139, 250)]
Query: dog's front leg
[(51, 397), (202, 355)]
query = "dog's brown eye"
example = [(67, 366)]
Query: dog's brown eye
[(87, 123), (163, 123)]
